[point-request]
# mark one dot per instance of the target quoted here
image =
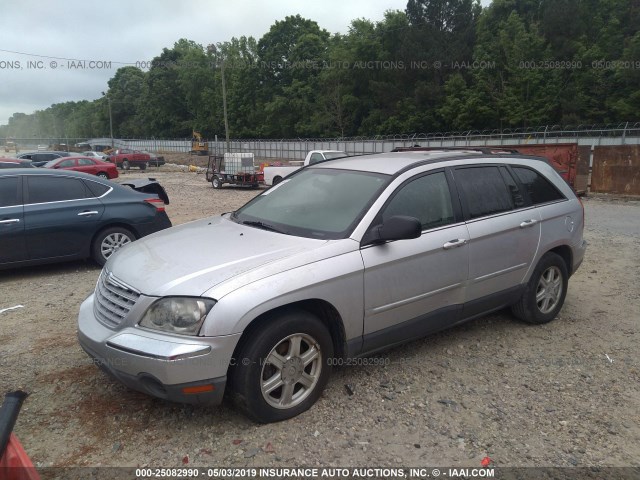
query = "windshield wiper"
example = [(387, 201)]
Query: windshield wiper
[(264, 226)]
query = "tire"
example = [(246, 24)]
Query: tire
[(269, 393), (126, 165), (216, 182), (103, 175), (143, 166), (108, 241), (276, 180), (545, 293)]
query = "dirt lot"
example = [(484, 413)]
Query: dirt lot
[(562, 394)]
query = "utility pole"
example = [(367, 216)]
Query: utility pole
[(110, 118), (224, 107), (214, 50)]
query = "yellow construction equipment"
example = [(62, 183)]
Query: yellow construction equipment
[(198, 145)]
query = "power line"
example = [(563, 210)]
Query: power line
[(60, 58)]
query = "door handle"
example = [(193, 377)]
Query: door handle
[(528, 223), (87, 213), (458, 242), (10, 220)]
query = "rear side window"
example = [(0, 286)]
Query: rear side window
[(539, 188), (9, 191), (55, 189), (97, 189), (484, 190), (315, 158)]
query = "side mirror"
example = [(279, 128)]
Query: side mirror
[(398, 227)]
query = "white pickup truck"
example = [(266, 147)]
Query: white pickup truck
[(274, 175)]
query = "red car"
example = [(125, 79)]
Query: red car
[(92, 166)]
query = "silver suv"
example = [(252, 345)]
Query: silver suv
[(340, 259)]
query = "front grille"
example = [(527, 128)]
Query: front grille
[(113, 300)]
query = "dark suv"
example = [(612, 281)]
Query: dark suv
[(38, 159)]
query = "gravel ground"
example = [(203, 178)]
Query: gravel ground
[(562, 394)]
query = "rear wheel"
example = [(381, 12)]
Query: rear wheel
[(545, 293), (283, 367), (126, 165), (143, 166), (216, 182), (108, 241), (103, 175), (276, 180)]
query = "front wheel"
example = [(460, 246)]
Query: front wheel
[(283, 367), (216, 182), (126, 165), (103, 175), (545, 293), (108, 241), (143, 166)]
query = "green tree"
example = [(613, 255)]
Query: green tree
[(125, 93)]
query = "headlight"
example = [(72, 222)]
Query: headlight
[(181, 315)]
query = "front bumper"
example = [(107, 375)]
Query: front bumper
[(182, 369)]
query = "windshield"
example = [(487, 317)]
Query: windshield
[(51, 163), (316, 203)]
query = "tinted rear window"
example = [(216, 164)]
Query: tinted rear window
[(55, 189), (539, 188), (9, 191), (484, 189), (97, 189)]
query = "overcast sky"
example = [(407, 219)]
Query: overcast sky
[(129, 31)]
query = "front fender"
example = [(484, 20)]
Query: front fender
[(338, 280)]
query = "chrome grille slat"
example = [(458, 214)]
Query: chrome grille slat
[(113, 300)]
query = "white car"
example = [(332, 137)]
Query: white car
[(99, 155)]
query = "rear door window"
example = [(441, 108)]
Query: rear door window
[(540, 189), (9, 191), (44, 189), (484, 190)]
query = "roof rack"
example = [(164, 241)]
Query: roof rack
[(483, 150)]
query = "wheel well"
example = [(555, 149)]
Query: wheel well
[(565, 252), (111, 225), (320, 308)]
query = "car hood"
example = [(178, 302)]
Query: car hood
[(192, 258)]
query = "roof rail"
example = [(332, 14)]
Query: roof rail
[(483, 150)]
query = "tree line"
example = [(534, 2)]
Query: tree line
[(439, 65)]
